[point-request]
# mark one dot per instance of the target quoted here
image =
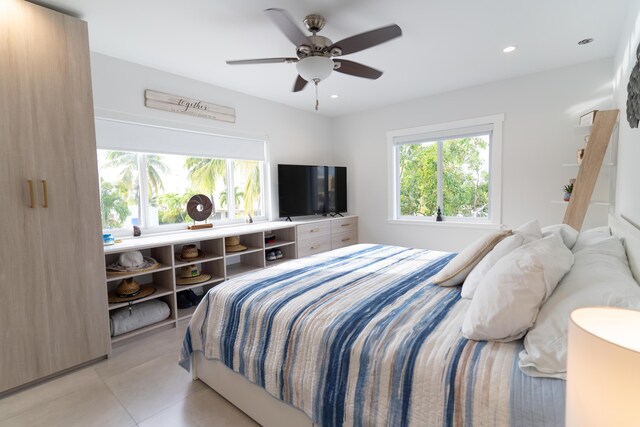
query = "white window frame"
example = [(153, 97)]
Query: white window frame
[(167, 228), (441, 131), (116, 131)]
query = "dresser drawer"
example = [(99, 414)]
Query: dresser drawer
[(314, 245), (341, 225), (346, 238), (314, 229)]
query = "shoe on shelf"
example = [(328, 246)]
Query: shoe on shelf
[(271, 256), (279, 254), (183, 301), (193, 297)]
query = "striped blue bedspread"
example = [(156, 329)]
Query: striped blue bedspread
[(359, 336)]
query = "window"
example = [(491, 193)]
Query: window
[(152, 189), (453, 166), (148, 172)]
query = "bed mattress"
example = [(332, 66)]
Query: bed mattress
[(360, 336)]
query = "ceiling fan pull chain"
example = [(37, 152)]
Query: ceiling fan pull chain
[(317, 103)]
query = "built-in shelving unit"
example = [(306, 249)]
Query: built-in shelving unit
[(217, 261)]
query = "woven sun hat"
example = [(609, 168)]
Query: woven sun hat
[(232, 244), (130, 290), (132, 262), (191, 275), (190, 253)]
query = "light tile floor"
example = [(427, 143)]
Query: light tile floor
[(141, 384)]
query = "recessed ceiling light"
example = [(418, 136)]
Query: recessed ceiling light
[(585, 41), (509, 49), (334, 96)]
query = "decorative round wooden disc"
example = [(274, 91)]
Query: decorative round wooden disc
[(199, 207)]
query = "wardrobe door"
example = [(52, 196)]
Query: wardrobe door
[(67, 173), (24, 305)]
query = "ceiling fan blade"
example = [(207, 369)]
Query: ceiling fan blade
[(299, 84), (284, 21), (357, 69), (263, 61), (366, 40)]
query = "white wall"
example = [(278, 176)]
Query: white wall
[(627, 194), (541, 111), (293, 136)]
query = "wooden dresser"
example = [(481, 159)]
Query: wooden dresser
[(52, 299), (318, 236)]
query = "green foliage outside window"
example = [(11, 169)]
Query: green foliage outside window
[(200, 175), (113, 205), (465, 178)]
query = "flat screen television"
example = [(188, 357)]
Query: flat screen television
[(311, 190)]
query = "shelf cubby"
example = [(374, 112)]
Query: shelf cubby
[(288, 251), (162, 280), (212, 248)]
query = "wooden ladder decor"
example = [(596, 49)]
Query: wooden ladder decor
[(589, 169)]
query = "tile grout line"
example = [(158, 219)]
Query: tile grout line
[(62, 396), (116, 397), (155, 413)]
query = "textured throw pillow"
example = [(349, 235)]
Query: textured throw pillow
[(600, 276), (507, 302), (530, 230), (568, 233), (521, 235), (459, 267), (591, 237)]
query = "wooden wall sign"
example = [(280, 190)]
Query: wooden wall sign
[(193, 107)]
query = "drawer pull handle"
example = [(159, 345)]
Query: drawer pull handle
[(45, 193), (346, 239), (314, 230), (31, 196), (345, 225), (313, 248)]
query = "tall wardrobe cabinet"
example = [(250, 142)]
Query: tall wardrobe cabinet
[(52, 299)]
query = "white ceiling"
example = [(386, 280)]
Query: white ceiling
[(446, 44)]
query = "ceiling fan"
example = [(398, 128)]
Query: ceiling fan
[(314, 53)]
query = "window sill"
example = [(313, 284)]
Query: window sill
[(126, 234), (447, 224)]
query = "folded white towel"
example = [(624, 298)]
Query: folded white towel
[(141, 315)]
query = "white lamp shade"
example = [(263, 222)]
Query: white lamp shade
[(603, 368), (315, 68)]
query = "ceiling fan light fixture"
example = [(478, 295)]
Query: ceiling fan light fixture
[(314, 68)]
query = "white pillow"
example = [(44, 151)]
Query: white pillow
[(530, 230), (591, 237), (507, 302), (459, 267), (521, 235), (568, 233), (600, 277)]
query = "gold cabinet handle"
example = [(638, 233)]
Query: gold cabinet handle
[(46, 195), (345, 225), (314, 247), (314, 230), (31, 196), (346, 239)]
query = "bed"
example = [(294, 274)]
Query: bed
[(360, 336)]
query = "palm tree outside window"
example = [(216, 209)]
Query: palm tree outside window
[(157, 197)]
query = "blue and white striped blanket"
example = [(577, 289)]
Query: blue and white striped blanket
[(359, 336)]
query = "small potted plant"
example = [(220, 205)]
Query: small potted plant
[(568, 189)]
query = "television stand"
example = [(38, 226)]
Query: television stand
[(288, 219), (335, 214)]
